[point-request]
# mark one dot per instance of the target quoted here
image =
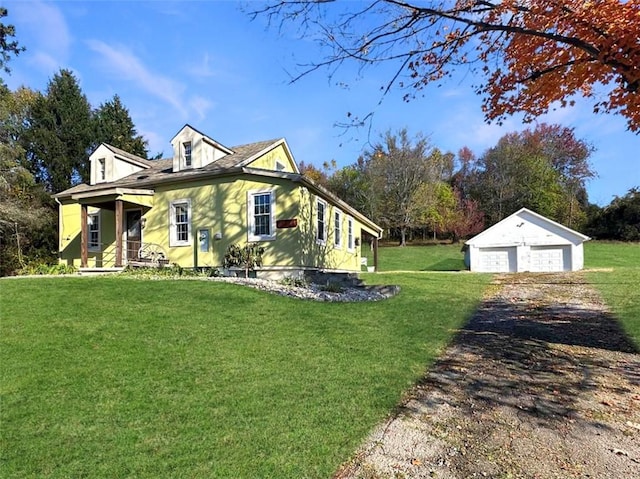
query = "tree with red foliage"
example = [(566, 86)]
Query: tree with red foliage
[(529, 54)]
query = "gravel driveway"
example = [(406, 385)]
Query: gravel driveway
[(542, 383)]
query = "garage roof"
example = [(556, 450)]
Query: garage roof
[(532, 217)]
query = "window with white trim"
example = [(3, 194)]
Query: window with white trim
[(93, 223), (321, 221), (180, 223), (102, 169), (280, 166), (186, 146), (350, 241), (337, 229), (261, 215)]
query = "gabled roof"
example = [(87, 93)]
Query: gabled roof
[(522, 212), (206, 138), (129, 156), (161, 171)]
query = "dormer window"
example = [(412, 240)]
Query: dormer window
[(187, 153), (102, 169)]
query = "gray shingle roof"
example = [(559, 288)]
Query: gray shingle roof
[(161, 171)]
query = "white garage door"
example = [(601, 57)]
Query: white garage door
[(550, 258), (497, 260)]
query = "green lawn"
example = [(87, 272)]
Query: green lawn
[(619, 283), (116, 377), (436, 257)]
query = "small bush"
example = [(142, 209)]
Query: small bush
[(295, 282), (49, 269), (332, 287), (248, 257)]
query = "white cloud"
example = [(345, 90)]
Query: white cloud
[(49, 35), (201, 106), (202, 69), (123, 64)]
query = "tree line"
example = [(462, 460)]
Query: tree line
[(416, 191), (45, 141)]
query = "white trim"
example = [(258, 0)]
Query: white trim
[(97, 246), (351, 238), (173, 237), (183, 151), (101, 174), (319, 240), (251, 218), (337, 228)]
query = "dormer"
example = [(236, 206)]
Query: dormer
[(192, 149), (109, 163)]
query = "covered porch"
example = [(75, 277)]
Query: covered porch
[(129, 206)]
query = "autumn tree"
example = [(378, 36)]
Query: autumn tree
[(113, 125), (395, 168), (61, 134), (28, 218), (544, 169), (8, 46), (527, 55)]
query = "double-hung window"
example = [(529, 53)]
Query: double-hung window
[(187, 154), (337, 229), (93, 222), (102, 169), (180, 223), (350, 240), (321, 221), (261, 215)]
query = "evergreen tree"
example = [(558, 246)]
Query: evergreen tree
[(61, 135), (113, 125), (28, 219), (8, 46)]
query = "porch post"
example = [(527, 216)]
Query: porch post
[(375, 253), (119, 211), (84, 236)]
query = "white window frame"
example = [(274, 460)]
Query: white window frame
[(337, 228), (251, 217), (102, 170), (350, 234), (173, 233), (188, 144), (321, 239), (93, 219)]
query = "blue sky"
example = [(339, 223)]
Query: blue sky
[(206, 63)]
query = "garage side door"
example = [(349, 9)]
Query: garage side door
[(497, 260), (550, 258)]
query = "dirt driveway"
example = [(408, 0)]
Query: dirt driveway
[(542, 383)]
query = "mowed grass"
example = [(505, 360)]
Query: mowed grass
[(116, 377), (433, 257), (619, 282)]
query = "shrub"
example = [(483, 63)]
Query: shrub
[(248, 257)]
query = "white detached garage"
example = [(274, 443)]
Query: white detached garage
[(525, 241)]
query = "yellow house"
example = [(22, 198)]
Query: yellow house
[(190, 208)]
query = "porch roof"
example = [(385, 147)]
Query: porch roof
[(136, 196)]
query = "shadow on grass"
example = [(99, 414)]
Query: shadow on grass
[(506, 356)]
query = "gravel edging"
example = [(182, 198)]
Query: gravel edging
[(316, 292)]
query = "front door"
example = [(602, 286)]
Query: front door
[(133, 234)]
